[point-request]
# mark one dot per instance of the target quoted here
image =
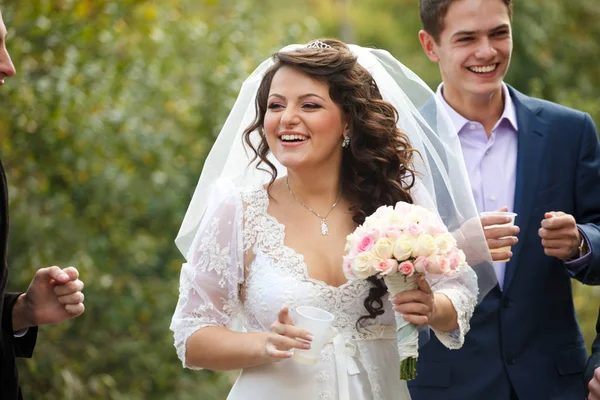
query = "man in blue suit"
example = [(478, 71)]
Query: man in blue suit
[(542, 161)]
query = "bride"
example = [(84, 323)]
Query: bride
[(335, 132)]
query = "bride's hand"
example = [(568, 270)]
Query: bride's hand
[(416, 306), (284, 336)]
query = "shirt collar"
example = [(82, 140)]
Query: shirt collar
[(509, 113)]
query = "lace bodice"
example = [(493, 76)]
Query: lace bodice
[(278, 276), (220, 287)]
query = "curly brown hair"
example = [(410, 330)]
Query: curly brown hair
[(377, 166)]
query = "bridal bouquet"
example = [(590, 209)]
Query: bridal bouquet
[(398, 244)]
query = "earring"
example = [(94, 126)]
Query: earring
[(346, 141)]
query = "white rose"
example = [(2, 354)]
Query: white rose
[(363, 265), (384, 212), (384, 248), (445, 241), (373, 222), (433, 266), (351, 240), (462, 259), (425, 246), (395, 218), (403, 247), (412, 217)]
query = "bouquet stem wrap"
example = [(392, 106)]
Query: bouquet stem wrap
[(407, 333)]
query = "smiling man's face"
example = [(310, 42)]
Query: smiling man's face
[(474, 48)]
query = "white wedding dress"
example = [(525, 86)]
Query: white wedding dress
[(218, 289)]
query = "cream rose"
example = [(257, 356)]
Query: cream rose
[(445, 241), (424, 247), (432, 265), (384, 247), (363, 265), (412, 217), (394, 218), (351, 241), (403, 247)]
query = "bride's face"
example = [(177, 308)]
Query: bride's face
[(303, 126)]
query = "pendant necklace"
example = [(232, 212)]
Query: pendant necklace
[(324, 226)]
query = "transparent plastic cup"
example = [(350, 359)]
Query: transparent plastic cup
[(316, 322), (512, 216)]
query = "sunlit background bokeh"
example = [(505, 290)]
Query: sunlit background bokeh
[(104, 130)]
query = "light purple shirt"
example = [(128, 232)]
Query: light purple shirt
[(491, 162), (492, 166)]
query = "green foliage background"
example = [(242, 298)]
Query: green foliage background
[(104, 131)]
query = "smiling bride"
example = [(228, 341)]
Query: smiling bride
[(333, 132)]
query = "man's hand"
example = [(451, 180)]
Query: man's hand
[(501, 236), (560, 236), (54, 295), (594, 386)]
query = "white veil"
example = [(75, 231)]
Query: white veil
[(442, 183)]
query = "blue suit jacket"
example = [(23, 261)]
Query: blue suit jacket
[(527, 336)]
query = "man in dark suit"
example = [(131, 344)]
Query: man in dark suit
[(535, 158), (53, 296), (591, 378)]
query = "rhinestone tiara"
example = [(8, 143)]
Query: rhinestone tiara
[(317, 44)]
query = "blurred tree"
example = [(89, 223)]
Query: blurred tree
[(105, 128), (103, 134)]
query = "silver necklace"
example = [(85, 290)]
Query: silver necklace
[(324, 226)]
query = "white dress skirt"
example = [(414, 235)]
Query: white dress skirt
[(217, 288)]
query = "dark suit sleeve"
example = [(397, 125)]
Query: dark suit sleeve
[(594, 361), (23, 346), (587, 199)]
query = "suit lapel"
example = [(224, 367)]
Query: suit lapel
[(531, 146)]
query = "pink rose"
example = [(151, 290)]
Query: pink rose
[(364, 244), (347, 267), (386, 267), (454, 258), (360, 231), (363, 231), (374, 232), (391, 232), (434, 226), (413, 229), (421, 264), (406, 268), (452, 251), (439, 265), (433, 267)]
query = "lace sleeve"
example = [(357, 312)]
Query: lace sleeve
[(210, 279), (462, 291)]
